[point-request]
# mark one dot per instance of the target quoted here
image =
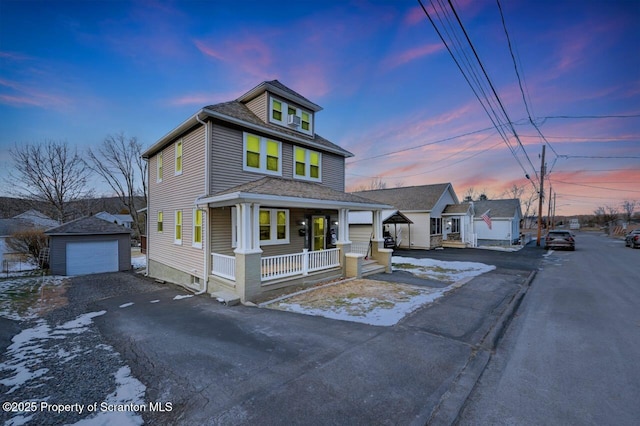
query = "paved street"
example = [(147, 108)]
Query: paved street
[(570, 356)]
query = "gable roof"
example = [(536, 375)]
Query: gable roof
[(453, 209), (275, 87), (277, 191), (423, 197), (506, 208), (31, 219), (89, 225), (238, 114)]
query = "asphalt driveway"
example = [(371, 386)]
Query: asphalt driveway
[(241, 365)]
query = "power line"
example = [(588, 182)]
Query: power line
[(596, 187), (626, 157), (515, 67), (495, 116), (423, 145), (589, 116)]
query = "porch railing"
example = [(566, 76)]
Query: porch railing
[(360, 247), (223, 266), (287, 265)]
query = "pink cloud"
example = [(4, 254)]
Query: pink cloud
[(25, 95), (411, 55)]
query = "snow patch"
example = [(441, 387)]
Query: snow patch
[(126, 305), (182, 296)]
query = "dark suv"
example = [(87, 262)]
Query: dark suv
[(560, 239)]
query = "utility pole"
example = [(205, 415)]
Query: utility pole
[(549, 220), (540, 197), (553, 212)]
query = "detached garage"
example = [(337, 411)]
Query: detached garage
[(89, 245)]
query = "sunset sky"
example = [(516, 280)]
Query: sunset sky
[(391, 92)]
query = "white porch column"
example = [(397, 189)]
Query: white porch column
[(377, 225), (343, 226), (255, 229)]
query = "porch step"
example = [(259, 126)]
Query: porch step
[(370, 267), (454, 244), (226, 297)]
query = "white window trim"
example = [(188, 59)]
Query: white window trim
[(307, 165), (175, 163), (263, 156), (193, 229), (159, 169), (285, 115), (273, 231), (175, 225)]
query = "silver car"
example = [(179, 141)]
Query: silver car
[(632, 239), (560, 239)]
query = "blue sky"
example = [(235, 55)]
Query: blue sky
[(78, 71)]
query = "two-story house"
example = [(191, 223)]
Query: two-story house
[(245, 198)]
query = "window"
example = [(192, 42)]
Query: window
[(274, 226), (159, 168), (436, 226), (262, 155), (455, 224), (177, 239), (197, 228), (160, 221), (307, 164), (278, 107), (179, 157), (276, 110)]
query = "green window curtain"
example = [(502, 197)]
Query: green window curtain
[(160, 166), (179, 225), (197, 227), (282, 225), (159, 221), (291, 111), (314, 161), (179, 156), (306, 122), (276, 113), (253, 151), (272, 156), (300, 161), (265, 225)]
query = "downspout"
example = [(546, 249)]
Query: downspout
[(207, 187)]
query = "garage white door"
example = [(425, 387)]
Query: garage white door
[(92, 257)]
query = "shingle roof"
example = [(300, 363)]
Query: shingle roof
[(297, 189), (240, 111), (422, 197), (499, 208), (276, 86), (89, 225), (31, 219), (461, 208)]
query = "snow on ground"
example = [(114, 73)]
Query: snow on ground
[(440, 270), (139, 261), (376, 302), (19, 297), (25, 363)]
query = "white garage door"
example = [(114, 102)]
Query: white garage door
[(92, 257)]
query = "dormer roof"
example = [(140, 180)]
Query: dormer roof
[(277, 88)]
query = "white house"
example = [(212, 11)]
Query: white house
[(503, 216)]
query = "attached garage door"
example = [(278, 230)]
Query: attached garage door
[(92, 257)]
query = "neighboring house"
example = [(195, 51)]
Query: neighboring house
[(504, 216), (426, 207), (119, 219), (360, 227), (245, 198), (31, 219), (89, 245)]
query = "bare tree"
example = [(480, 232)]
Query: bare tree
[(514, 192), (49, 172), (30, 242), (606, 215), (376, 183), (470, 194), (119, 162), (627, 209)]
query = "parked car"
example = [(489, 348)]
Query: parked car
[(560, 239), (632, 239)]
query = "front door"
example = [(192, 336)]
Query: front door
[(318, 235)]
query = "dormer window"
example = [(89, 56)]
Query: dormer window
[(295, 118)]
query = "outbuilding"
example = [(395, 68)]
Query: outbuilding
[(89, 245)]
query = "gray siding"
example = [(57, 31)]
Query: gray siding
[(259, 106), (58, 250), (221, 231), (226, 162), (178, 192)]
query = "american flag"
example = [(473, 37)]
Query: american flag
[(487, 218)]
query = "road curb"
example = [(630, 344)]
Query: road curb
[(453, 400)]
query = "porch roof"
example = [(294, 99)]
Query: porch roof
[(457, 209), (279, 192)]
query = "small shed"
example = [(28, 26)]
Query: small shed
[(89, 245)]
